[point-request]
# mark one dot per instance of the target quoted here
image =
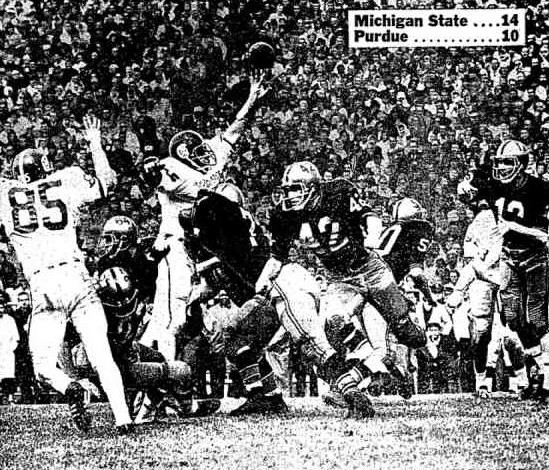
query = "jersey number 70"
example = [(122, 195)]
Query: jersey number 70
[(29, 206)]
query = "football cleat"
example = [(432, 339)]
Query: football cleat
[(76, 396), (482, 393), (125, 429), (258, 403), (359, 405)]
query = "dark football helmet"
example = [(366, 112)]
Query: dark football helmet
[(119, 234), (300, 188), (510, 160), (191, 148), (30, 165), (119, 297)]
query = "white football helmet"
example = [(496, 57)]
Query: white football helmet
[(191, 148), (119, 234), (408, 208), (30, 165), (300, 188), (510, 160)]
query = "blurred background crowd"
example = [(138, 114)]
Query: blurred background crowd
[(399, 122)]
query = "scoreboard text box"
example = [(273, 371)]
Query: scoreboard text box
[(437, 28)]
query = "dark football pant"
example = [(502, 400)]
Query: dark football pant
[(524, 293)]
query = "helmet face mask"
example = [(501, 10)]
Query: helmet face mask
[(119, 235), (510, 160), (299, 189), (190, 148), (505, 169)]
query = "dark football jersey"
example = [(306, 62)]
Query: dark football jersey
[(223, 229), (333, 230), (526, 206), (404, 244)]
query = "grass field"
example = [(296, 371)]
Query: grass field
[(428, 432)]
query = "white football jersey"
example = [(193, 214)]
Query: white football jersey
[(40, 217), (180, 183)]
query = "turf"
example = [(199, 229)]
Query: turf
[(431, 432)]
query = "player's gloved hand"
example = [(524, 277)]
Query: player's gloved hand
[(270, 272), (92, 129)]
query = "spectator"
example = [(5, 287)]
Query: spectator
[(437, 362), (24, 371), (9, 278)]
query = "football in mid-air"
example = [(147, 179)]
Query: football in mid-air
[(261, 55)]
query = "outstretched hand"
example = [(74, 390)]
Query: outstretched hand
[(258, 86), (92, 128)]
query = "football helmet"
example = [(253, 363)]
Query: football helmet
[(117, 292), (510, 160), (407, 209), (30, 165), (300, 188), (119, 234), (119, 297), (231, 192), (191, 148)]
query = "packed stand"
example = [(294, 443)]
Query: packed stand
[(398, 122)]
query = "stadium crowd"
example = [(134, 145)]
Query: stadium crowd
[(402, 122)]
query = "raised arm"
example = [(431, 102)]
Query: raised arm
[(92, 133), (257, 91)]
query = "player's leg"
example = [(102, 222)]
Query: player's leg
[(46, 332), (246, 334), (173, 289), (512, 294), (512, 345), (180, 274), (296, 298), (482, 301), (89, 320), (536, 274), (382, 291)]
